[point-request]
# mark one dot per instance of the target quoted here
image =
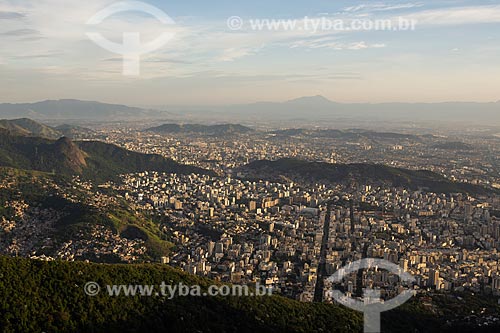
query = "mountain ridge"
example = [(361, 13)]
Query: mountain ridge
[(311, 108), (220, 129), (93, 160), (362, 173), (76, 109), (29, 127), (318, 110)]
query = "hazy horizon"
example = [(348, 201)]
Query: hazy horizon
[(194, 104)]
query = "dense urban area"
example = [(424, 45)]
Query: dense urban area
[(284, 208), (243, 231), (235, 227)]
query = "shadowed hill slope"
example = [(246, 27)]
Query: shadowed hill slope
[(359, 173), (93, 160)]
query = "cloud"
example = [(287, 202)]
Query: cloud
[(344, 77), (356, 46), (153, 60), (20, 32), (31, 38), (168, 61), (380, 7), (39, 55), (49, 25), (329, 43), (232, 54), (11, 15), (61, 25), (458, 15), (363, 45), (199, 44), (273, 76)]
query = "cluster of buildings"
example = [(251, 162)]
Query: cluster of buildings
[(245, 232), (464, 158), (103, 245), (31, 229)]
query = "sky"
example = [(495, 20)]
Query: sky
[(452, 54)]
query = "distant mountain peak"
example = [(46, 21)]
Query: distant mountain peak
[(311, 99)]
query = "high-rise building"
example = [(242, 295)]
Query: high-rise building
[(211, 247), (219, 247), (434, 280), (495, 284), (468, 210), (404, 264), (265, 240), (351, 212)]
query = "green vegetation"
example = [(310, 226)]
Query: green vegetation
[(72, 131), (105, 161), (29, 127), (93, 160), (135, 226), (49, 296), (29, 185), (223, 129), (121, 221), (38, 190)]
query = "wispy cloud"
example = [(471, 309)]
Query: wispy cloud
[(61, 25), (458, 15), (39, 55), (332, 43), (274, 76), (199, 43), (20, 32), (167, 61), (11, 15), (232, 54), (381, 7)]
